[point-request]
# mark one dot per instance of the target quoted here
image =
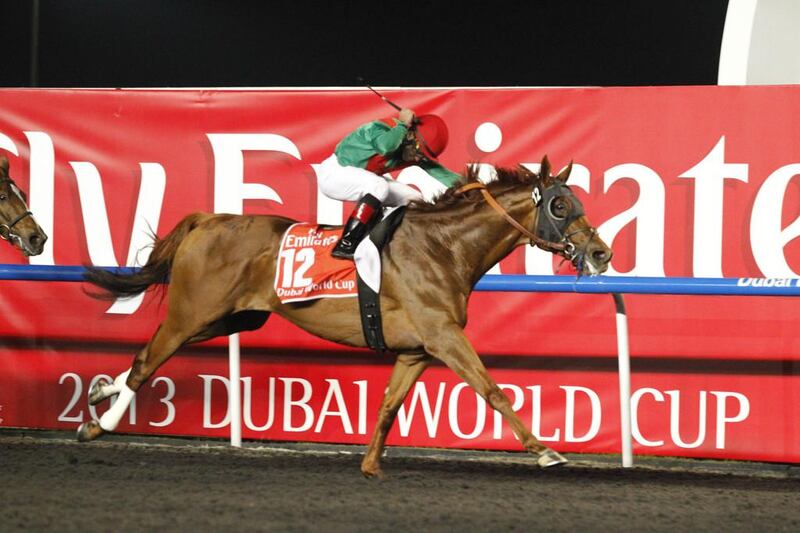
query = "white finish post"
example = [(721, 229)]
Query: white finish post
[(234, 391), (735, 49), (623, 356)]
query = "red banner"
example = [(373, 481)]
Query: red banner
[(681, 181)]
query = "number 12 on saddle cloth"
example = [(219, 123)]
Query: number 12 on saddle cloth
[(305, 268)]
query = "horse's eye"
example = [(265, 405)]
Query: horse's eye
[(3, 197), (559, 208)]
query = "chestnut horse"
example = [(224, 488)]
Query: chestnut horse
[(222, 270), (17, 225)]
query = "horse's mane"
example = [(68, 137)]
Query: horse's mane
[(507, 178)]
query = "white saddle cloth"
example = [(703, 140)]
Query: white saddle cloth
[(368, 259)]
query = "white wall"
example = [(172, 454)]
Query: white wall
[(761, 43)]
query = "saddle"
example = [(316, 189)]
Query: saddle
[(305, 269)]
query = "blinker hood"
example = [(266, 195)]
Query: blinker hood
[(549, 226)]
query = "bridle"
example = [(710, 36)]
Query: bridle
[(6, 230), (549, 232)]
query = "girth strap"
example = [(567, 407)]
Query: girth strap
[(369, 300)]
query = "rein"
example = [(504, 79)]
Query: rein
[(5, 229), (544, 244)]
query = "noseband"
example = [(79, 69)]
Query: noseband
[(6, 232), (549, 231)]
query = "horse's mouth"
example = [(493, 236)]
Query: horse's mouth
[(28, 252), (591, 258), (27, 248), (586, 267), (592, 270)]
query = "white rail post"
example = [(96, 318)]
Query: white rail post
[(624, 358), (234, 392)]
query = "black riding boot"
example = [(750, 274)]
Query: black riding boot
[(363, 218)]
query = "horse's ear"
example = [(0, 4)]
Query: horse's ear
[(544, 169), (563, 176), (4, 164)]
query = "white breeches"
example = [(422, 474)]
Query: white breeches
[(352, 183)]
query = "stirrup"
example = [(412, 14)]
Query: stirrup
[(344, 249)]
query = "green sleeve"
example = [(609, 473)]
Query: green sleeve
[(390, 140), (368, 140), (445, 176)]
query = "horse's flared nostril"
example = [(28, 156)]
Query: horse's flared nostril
[(601, 256), (37, 241)]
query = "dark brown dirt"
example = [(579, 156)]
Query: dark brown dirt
[(57, 485)]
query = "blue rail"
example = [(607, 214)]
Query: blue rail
[(522, 283), (48, 272), (643, 285)]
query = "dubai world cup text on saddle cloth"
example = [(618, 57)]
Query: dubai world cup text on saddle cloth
[(306, 270)]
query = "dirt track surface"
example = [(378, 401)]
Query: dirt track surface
[(58, 485)]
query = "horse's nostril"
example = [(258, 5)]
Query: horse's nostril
[(37, 241), (601, 256)]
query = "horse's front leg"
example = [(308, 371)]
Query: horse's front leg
[(407, 370), (451, 346)]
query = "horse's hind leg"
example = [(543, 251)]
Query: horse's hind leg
[(407, 370), (170, 336), (102, 389), (241, 321), (167, 339)]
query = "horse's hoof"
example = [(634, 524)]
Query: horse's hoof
[(551, 458), (96, 395), (89, 431), (373, 472)]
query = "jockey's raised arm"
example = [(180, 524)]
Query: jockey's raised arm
[(355, 170)]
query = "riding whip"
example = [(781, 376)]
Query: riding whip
[(368, 86)]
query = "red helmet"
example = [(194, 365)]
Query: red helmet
[(432, 135)]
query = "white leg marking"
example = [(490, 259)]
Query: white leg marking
[(116, 387), (111, 418)]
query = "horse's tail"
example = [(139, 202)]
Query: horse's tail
[(157, 269)]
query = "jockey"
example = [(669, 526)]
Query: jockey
[(355, 170)]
